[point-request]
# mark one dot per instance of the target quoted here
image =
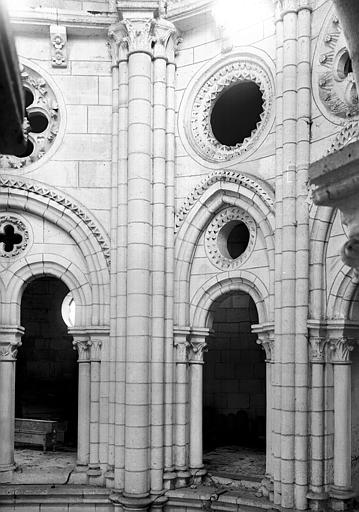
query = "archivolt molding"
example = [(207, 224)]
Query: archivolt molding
[(342, 293), (195, 110), (54, 265), (225, 176), (349, 133), (40, 189), (223, 284)]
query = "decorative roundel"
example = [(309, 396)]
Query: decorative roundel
[(230, 238), (223, 99), (335, 87), (43, 119), (14, 236)]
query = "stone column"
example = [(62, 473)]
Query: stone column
[(198, 346), (181, 336), (341, 492), (144, 34), (94, 471), (317, 497), (10, 340), (81, 343), (266, 340)]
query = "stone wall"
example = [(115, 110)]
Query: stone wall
[(355, 419)]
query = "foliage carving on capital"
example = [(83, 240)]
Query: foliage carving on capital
[(317, 349), (182, 351), (134, 34), (8, 351), (95, 350), (82, 346), (341, 349), (197, 349), (266, 341), (165, 38)]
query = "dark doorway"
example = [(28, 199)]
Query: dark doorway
[(235, 386), (46, 368)]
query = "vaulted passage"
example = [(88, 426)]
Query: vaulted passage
[(46, 367), (234, 390)]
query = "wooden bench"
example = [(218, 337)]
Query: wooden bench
[(39, 432)]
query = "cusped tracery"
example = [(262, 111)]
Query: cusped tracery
[(43, 119)]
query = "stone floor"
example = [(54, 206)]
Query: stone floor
[(36, 466), (235, 462)]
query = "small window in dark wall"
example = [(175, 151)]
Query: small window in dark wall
[(236, 112)]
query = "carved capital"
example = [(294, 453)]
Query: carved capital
[(341, 349), (8, 351), (165, 39), (267, 344), (82, 345), (317, 349), (197, 349), (181, 336), (10, 341), (133, 35), (95, 345)]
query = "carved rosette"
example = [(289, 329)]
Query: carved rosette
[(41, 103), (335, 85), (318, 349), (341, 349), (58, 37), (215, 238), (202, 138), (14, 236)]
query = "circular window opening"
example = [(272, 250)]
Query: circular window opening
[(68, 310), (38, 122), (236, 112), (28, 150), (29, 97), (233, 239), (344, 66)]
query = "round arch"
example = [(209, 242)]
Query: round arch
[(50, 265), (17, 194), (223, 284), (218, 191)]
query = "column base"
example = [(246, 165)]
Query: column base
[(95, 475), (79, 475), (266, 488), (169, 480), (109, 477), (318, 501), (183, 478), (130, 504), (7, 473), (341, 499), (197, 475)]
